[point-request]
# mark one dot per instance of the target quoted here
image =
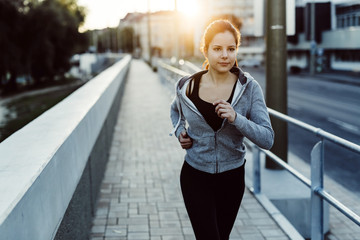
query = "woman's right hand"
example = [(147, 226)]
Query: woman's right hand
[(185, 140)]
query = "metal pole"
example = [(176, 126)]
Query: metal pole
[(256, 171), (312, 38), (276, 74), (317, 183), (176, 33), (149, 32)]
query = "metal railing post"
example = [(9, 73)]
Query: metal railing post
[(256, 171), (317, 183)]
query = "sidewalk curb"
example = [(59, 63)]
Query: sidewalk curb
[(275, 214), (279, 218)]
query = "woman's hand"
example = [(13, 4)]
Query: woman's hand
[(185, 140), (224, 110)]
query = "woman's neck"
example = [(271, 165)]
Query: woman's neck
[(217, 78)]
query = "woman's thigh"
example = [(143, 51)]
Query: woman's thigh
[(200, 203), (229, 193)]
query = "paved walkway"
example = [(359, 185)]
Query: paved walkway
[(140, 194)]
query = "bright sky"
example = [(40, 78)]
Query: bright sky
[(107, 13)]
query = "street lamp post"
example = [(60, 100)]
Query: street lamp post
[(176, 23), (149, 32), (312, 38), (276, 74)]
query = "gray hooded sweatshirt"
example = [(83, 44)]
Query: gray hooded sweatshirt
[(223, 150)]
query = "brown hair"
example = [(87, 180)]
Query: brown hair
[(218, 26)]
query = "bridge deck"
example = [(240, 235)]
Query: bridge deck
[(140, 194)]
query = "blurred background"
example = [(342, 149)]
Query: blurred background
[(305, 54), (49, 48)]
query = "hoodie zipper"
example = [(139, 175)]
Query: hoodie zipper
[(216, 159), (215, 133)]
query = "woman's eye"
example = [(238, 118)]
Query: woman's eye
[(216, 49), (232, 49)]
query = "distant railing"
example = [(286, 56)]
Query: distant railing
[(169, 74)]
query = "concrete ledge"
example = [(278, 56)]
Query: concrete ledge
[(41, 164), (264, 200), (279, 218)]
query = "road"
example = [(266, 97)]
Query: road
[(333, 107)]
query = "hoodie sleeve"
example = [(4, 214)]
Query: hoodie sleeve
[(177, 119), (258, 127)]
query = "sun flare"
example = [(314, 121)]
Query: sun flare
[(189, 8)]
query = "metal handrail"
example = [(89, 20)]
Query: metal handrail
[(321, 192), (339, 206), (317, 131), (172, 69), (316, 182), (286, 166)]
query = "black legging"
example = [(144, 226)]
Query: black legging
[(212, 200)]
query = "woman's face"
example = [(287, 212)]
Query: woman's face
[(221, 53)]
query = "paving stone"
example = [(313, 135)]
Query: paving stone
[(155, 238), (271, 232), (188, 230), (115, 231), (172, 238), (99, 221), (275, 238), (138, 236), (112, 221), (165, 231), (96, 238), (98, 229), (138, 228), (252, 236)]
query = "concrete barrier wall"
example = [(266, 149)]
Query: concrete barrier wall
[(51, 169)]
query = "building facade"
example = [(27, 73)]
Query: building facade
[(162, 33), (337, 36), (337, 32)]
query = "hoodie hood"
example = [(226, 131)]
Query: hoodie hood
[(235, 70)]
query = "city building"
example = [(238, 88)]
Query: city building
[(337, 32), (169, 36), (337, 36)]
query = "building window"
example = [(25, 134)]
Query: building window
[(348, 21), (347, 56), (338, 22)]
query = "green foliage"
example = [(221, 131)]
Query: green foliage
[(10, 28), (38, 39), (113, 39), (126, 36)]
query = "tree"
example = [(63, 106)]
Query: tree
[(10, 28), (38, 38), (56, 23), (126, 37)]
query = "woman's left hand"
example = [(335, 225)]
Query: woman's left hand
[(224, 110)]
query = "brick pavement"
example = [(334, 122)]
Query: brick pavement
[(140, 194)]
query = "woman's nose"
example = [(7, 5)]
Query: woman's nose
[(224, 54)]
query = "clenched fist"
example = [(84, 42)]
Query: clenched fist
[(185, 140)]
